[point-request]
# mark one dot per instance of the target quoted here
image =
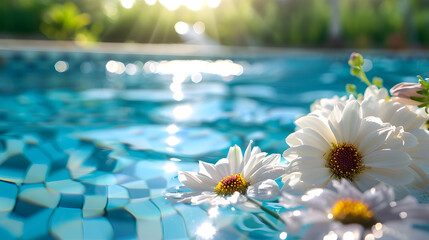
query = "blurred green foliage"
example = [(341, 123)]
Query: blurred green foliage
[(64, 22), (303, 23)]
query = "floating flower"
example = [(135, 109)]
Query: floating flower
[(411, 120), (232, 178), (350, 214), (406, 119), (346, 145)]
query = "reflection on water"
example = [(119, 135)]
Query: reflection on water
[(91, 142), (206, 231)]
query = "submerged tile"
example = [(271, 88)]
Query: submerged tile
[(149, 225), (66, 223), (40, 195), (8, 195)]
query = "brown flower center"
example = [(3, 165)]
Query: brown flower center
[(345, 161)]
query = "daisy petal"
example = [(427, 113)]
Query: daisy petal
[(235, 157), (318, 124), (267, 172), (350, 120), (316, 176), (391, 176), (209, 170), (196, 182), (387, 158), (373, 141)]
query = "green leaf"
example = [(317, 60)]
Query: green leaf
[(418, 99), (422, 105), (424, 84)]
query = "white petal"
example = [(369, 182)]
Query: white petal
[(209, 170), (368, 125), (420, 134), (248, 152), (292, 140), (370, 107), (196, 182), (247, 156), (306, 163), (373, 141), (235, 157), (364, 182), (203, 198), (398, 176), (318, 124), (409, 140), (266, 172), (333, 120), (223, 168), (403, 230), (316, 176), (255, 162), (387, 158), (273, 159), (346, 189), (350, 121), (302, 150), (312, 138)]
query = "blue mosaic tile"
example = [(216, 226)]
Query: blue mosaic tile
[(71, 201), (148, 218), (8, 196), (40, 195), (66, 223), (123, 224)]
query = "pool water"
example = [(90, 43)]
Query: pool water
[(91, 142)]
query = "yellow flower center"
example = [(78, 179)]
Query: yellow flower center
[(344, 160), (231, 184), (352, 211)]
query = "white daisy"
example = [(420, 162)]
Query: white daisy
[(227, 181), (411, 120), (407, 119), (350, 214), (346, 145), (395, 113), (323, 107)]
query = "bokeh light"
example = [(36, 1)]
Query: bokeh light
[(61, 66), (127, 3), (150, 2), (206, 231), (199, 27), (181, 28)]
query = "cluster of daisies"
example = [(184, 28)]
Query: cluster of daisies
[(345, 163)]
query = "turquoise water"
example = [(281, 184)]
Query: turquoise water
[(90, 142)]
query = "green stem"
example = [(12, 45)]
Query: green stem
[(265, 209), (363, 77)]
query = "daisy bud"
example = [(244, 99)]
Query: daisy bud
[(356, 60), (377, 82), (403, 92), (351, 88), (354, 71)]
